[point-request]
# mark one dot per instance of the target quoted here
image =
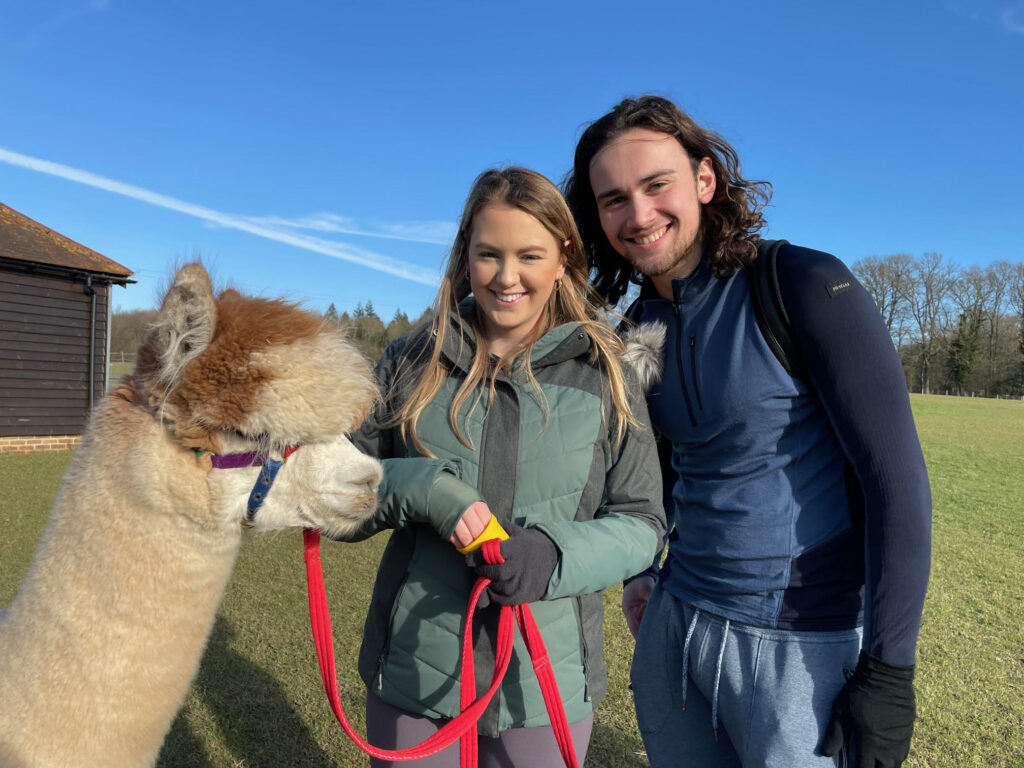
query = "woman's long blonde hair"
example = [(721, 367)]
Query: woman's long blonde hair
[(574, 300)]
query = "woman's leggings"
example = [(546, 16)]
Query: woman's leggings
[(389, 727)]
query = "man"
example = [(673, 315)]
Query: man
[(781, 629)]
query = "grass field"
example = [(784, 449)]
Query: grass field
[(258, 701), (117, 370)]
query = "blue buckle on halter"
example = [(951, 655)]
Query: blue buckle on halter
[(262, 488)]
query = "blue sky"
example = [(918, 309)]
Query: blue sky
[(322, 151)]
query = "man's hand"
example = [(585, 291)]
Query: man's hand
[(635, 597), (471, 524), (874, 714)]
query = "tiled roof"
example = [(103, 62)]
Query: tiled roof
[(23, 239)]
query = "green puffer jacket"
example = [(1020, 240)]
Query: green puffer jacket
[(555, 469)]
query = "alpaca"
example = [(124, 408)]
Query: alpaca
[(99, 648)]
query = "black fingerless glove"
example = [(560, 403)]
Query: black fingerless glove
[(874, 715), (530, 559)]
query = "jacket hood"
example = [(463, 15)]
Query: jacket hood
[(645, 352)]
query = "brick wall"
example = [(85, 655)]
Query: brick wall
[(32, 444)]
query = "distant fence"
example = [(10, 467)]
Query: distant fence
[(120, 364), (947, 393)]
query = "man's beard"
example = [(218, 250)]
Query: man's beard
[(682, 252)]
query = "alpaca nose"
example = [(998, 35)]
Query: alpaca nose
[(372, 473)]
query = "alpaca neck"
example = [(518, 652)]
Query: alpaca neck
[(106, 634)]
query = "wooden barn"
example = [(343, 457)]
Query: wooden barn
[(54, 321)]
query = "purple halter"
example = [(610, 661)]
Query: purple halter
[(263, 482)]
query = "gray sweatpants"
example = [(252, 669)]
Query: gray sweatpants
[(389, 727), (767, 692)]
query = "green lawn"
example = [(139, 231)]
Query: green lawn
[(117, 370), (971, 653), (258, 700)]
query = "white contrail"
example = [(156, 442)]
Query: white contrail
[(432, 232), (349, 253)]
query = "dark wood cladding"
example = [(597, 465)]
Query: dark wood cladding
[(44, 352)]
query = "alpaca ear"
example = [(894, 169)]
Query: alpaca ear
[(184, 327)]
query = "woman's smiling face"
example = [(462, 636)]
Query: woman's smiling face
[(514, 262)]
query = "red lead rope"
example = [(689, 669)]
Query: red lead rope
[(462, 727)]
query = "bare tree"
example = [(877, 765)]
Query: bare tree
[(1018, 306), (999, 365), (933, 277), (971, 293), (127, 330), (889, 280)]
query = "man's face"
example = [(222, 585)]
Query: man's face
[(649, 199)]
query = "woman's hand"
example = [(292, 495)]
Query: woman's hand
[(529, 558), (471, 524)]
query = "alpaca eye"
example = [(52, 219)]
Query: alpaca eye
[(260, 437)]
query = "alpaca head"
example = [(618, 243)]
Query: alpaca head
[(234, 374)]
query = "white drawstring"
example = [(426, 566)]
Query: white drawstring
[(718, 677), (686, 651), (718, 667)]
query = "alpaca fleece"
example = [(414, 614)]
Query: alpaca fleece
[(105, 635)]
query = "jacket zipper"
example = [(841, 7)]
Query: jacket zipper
[(693, 370), (483, 445), (584, 651), (682, 371), (387, 637)]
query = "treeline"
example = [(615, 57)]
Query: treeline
[(958, 330), (370, 333), (127, 330)]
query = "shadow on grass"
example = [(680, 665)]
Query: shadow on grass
[(236, 707), (244, 708)]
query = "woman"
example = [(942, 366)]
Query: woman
[(511, 400)]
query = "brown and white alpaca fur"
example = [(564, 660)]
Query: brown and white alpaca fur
[(105, 635)]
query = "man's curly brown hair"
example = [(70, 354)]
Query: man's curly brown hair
[(729, 223)]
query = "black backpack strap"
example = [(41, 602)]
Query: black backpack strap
[(769, 309)]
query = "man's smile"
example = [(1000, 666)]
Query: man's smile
[(650, 238)]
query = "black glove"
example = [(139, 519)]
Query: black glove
[(530, 559), (874, 714)]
